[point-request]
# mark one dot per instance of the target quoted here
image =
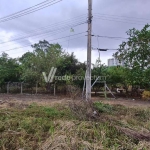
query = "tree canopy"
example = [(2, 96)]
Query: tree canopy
[(135, 53)]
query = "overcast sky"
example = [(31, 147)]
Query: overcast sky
[(111, 18)]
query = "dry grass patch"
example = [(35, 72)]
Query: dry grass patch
[(58, 127)]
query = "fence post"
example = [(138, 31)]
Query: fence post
[(8, 87), (21, 87), (54, 89), (36, 88)]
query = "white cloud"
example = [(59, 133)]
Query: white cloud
[(81, 55), (69, 9)]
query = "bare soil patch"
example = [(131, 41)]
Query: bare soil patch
[(48, 100), (125, 102)]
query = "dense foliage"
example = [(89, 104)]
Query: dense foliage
[(135, 52)]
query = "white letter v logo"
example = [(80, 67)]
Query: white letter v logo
[(50, 76)]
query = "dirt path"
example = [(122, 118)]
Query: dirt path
[(125, 102), (27, 99), (51, 100)]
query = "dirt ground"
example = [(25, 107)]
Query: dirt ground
[(47, 100), (127, 102), (6, 100)]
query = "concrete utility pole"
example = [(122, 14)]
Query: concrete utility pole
[(89, 47)]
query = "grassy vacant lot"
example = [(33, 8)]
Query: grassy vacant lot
[(57, 127)]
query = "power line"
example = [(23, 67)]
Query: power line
[(55, 30), (28, 12), (60, 23), (122, 16), (121, 19), (117, 21), (46, 32), (24, 12), (110, 37), (99, 58), (44, 36), (49, 40), (73, 35), (78, 18), (106, 49)]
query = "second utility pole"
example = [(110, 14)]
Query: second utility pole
[(89, 47)]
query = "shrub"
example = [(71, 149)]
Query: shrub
[(146, 95), (102, 108)]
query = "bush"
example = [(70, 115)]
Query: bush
[(102, 108), (146, 95)]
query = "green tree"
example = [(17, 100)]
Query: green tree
[(29, 74), (136, 51), (136, 55), (42, 59), (68, 65), (9, 69)]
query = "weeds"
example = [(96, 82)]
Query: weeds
[(102, 108), (28, 127), (42, 127)]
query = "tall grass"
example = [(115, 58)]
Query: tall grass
[(47, 128)]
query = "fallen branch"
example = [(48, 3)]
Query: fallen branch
[(135, 134)]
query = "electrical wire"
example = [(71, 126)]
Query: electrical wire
[(56, 30), (79, 18), (106, 49), (44, 37), (60, 23), (10, 68), (99, 51), (49, 40), (45, 32), (24, 9), (121, 19), (122, 16), (117, 21), (11, 17), (110, 37)]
